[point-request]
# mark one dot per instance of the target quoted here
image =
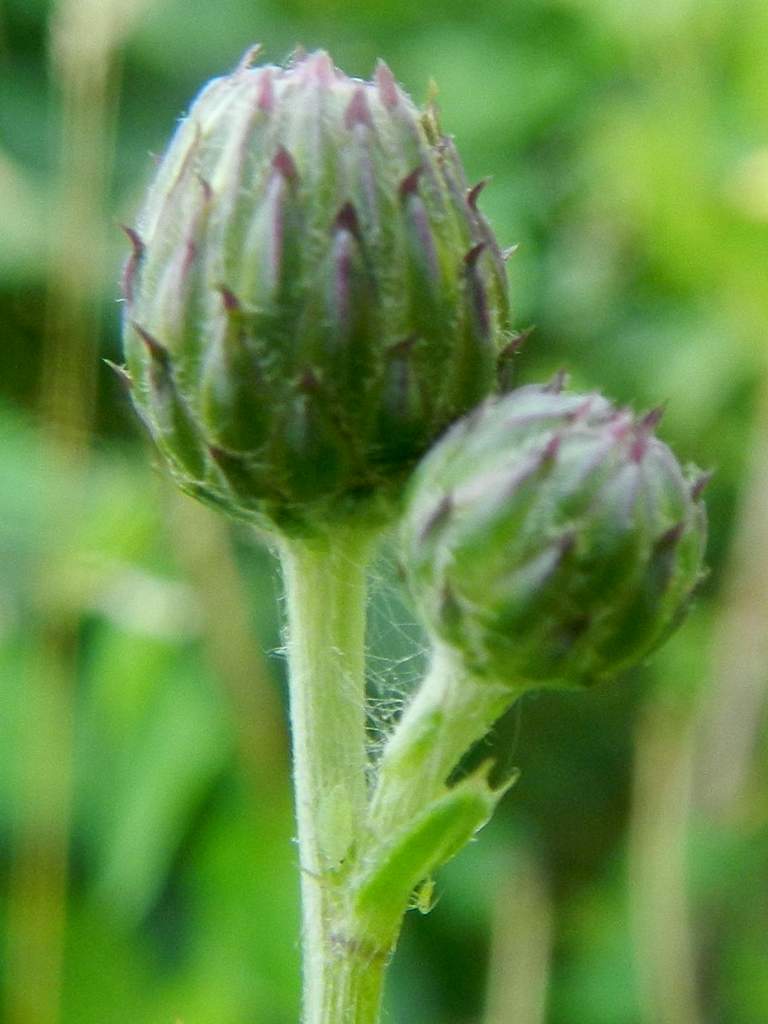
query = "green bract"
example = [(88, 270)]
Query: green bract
[(313, 294), (552, 538)]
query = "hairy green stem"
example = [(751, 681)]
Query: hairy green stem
[(416, 822), (449, 712), (325, 597), (355, 884)]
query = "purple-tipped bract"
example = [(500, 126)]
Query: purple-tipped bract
[(312, 295)]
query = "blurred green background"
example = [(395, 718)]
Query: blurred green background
[(147, 870)]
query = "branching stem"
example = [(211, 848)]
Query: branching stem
[(345, 838), (449, 713)]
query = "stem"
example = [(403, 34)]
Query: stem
[(325, 598), (449, 713), (415, 821), (340, 835)]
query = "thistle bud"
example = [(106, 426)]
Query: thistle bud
[(312, 295), (552, 538)]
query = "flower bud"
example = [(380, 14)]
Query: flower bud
[(313, 294), (552, 538)]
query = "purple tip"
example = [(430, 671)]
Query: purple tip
[(229, 299), (437, 516), (558, 383), (135, 239), (506, 359), (639, 445), (347, 220), (266, 93), (387, 86), (249, 58), (473, 255), (671, 537), (205, 185), (517, 341), (582, 411), (410, 182), (320, 67), (156, 350), (357, 111), (191, 252), (652, 419), (283, 163), (132, 264), (621, 424), (474, 194), (551, 448), (699, 484)]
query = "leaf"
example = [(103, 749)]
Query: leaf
[(431, 839)]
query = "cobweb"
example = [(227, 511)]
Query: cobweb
[(397, 657), (398, 650)]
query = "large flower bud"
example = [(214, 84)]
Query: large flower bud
[(552, 538), (313, 294)]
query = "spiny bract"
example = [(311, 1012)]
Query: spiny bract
[(313, 293), (553, 538)]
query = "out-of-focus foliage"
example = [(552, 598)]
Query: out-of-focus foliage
[(148, 872)]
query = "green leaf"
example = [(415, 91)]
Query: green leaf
[(418, 849)]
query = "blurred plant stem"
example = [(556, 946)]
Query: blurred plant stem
[(665, 955), (521, 947), (731, 712), (84, 36), (204, 549), (84, 45), (694, 766), (38, 874), (733, 704), (325, 583)]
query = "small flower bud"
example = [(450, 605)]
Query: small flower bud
[(322, 294), (551, 538)]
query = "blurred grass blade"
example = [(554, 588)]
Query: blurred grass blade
[(85, 40), (36, 914), (521, 947), (205, 551), (86, 78), (734, 703), (664, 945)]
